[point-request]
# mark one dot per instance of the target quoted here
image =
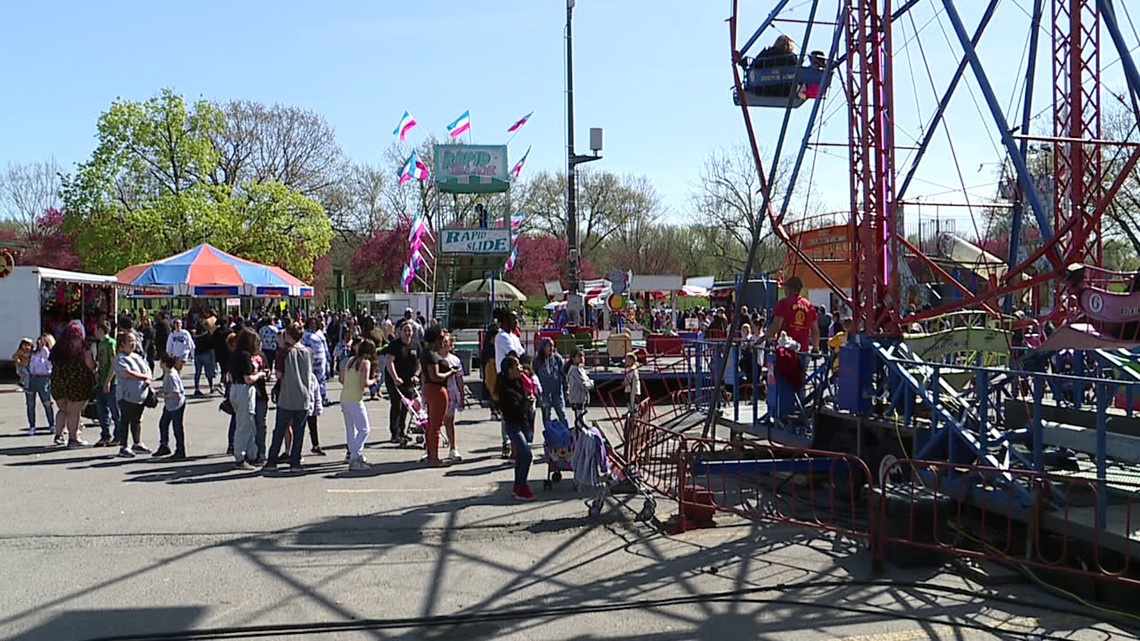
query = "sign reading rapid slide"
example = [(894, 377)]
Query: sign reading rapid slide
[(478, 242)]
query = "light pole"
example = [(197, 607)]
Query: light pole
[(572, 162)]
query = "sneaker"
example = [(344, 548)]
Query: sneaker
[(76, 442), (125, 453), (141, 448), (395, 439), (317, 451), (269, 468), (244, 466), (178, 455), (296, 469), (423, 457), (230, 451), (104, 442), (359, 465), (58, 439), (523, 493), (455, 455), (505, 453), (348, 457), (260, 462), (31, 431), (162, 451)]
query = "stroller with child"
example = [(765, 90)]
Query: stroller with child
[(417, 420)]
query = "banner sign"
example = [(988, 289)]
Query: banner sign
[(271, 291), (306, 292), (475, 241), (216, 291), (151, 292), (471, 169)]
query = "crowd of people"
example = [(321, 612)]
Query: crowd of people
[(253, 363)]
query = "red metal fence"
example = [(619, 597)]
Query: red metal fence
[(922, 510), (1076, 525)]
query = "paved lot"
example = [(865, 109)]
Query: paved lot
[(93, 546)]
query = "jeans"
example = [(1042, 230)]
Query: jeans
[(319, 372), (553, 399), (204, 362), (285, 418), (356, 427), (175, 417), (108, 409), (523, 457), (39, 386), (245, 443), (131, 420)]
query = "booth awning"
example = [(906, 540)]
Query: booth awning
[(210, 272)]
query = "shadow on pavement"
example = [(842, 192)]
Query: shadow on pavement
[(92, 624)]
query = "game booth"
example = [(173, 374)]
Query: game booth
[(206, 273)]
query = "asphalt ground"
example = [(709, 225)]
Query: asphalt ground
[(97, 547)]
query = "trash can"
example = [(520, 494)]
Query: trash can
[(465, 356)]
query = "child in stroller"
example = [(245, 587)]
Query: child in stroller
[(417, 420)]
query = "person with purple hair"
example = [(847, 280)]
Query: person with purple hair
[(72, 382)]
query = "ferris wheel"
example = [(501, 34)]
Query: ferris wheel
[(995, 112)]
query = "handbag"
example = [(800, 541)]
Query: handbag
[(151, 399), (226, 406)]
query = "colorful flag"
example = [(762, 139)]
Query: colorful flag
[(406, 278), (416, 259), (511, 260), (516, 220), (406, 170), (517, 169), (406, 124), (460, 125), (418, 228), (518, 123), (420, 171)]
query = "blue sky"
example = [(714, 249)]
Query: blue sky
[(653, 73)]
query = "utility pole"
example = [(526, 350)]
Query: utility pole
[(572, 162)]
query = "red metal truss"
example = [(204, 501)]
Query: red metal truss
[(875, 216), (1077, 168)]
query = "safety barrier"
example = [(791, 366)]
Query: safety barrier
[(1077, 526), (811, 488)]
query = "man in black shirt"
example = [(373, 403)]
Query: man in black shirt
[(402, 368)]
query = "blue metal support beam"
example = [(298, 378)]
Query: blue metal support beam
[(816, 108), (763, 26), (1026, 117), (932, 128), (1007, 139)]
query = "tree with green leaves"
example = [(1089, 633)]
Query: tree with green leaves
[(149, 191)]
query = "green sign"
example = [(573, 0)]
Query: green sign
[(475, 241), (471, 169)]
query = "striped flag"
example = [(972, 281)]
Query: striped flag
[(460, 125), (406, 124), (517, 169), (516, 220), (519, 123), (406, 278), (511, 260), (418, 228)]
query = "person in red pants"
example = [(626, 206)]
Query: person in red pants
[(436, 370)]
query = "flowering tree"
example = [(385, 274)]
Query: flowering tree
[(541, 259), (48, 245), (377, 262)]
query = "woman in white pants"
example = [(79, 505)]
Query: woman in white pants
[(357, 375)]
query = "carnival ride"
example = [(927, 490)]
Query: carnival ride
[(975, 407)]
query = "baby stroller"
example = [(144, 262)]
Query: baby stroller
[(558, 451), (417, 421), (591, 465)]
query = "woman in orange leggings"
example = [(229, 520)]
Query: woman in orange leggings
[(436, 372)]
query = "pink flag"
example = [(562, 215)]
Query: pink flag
[(519, 123)]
